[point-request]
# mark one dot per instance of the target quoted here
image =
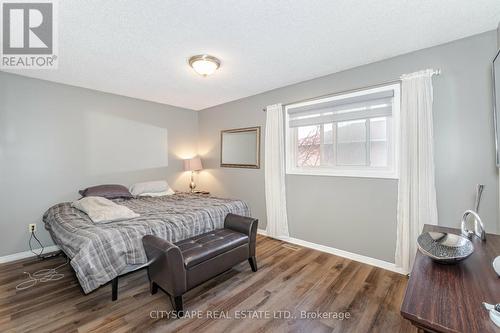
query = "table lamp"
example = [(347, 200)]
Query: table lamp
[(192, 164)]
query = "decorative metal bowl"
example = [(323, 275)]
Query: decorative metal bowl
[(443, 247)]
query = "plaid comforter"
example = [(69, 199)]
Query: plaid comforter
[(101, 252)]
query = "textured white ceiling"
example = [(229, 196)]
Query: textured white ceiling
[(140, 48)]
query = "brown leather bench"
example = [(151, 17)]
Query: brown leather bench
[(177, 268)]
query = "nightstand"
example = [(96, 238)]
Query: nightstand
[(201, 192)]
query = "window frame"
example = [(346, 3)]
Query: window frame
[(291, 144)]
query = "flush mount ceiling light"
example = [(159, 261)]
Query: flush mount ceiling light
[(204, 64)]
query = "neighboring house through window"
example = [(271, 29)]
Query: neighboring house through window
[(349, 134)]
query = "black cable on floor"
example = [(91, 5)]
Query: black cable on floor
[(39, 255)]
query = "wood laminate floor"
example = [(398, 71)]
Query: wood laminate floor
[(290, 280)]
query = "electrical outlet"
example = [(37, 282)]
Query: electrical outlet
[(31, 228)]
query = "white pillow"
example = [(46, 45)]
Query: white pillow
[(102, 210), (158, 194), (149, 187)]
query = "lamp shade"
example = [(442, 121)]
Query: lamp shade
[(193, 164)]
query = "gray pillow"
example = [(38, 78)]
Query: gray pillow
[(106, 191)]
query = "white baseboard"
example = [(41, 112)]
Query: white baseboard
[(341, 253), (27, 254)]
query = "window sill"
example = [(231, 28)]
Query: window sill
[(346, 173)]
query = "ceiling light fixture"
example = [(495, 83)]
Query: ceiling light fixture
[(204, 64)]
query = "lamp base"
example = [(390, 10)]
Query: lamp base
[(192, 185)]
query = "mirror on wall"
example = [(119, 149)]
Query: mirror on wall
[(496, 103), (240, 148)]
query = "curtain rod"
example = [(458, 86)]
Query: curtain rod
[(436, 72)]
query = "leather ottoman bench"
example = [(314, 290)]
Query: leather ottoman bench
[(179, 267)]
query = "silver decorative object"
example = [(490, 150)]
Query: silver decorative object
[(479, 193), (477, 228), (443, 247), (494, 311)]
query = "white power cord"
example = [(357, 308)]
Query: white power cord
[(43, 275)]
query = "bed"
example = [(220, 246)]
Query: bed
[(100, 253)]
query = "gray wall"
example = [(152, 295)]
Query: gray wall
[(45, 130), (358, 214)]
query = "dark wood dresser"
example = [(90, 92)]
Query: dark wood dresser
[(448, 298)]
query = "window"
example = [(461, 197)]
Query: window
[(352, 134)]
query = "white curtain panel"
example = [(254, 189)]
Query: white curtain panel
[(274, 167), (416, 191)]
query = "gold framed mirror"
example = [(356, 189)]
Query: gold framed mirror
[(240, 148)]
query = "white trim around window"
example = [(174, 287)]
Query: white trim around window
[(342, 108)]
